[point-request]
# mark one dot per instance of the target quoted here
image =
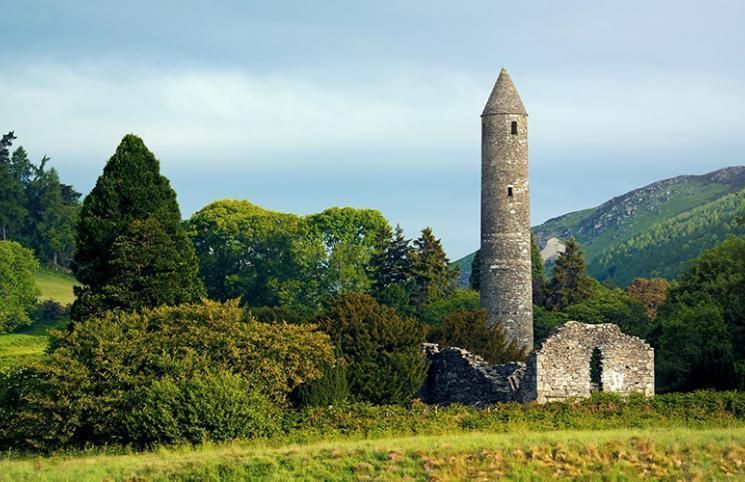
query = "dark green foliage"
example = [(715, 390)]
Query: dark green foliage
[(398, 297), (149, 268), (702, 323), (392, 264), (50, 218), (432, 275), (159, 374), (12, 201), (469, 330), (18, 291), (695, 350), (132, 207), (474, 280), (331, 389), (382, 350), (35, 208), (570, 283)]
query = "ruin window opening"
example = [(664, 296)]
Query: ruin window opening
[(509, 191), (514, 128), (596, 371)]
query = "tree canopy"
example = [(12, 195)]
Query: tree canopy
[(18, 291)]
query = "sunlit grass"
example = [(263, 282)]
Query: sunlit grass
[(56, 286), (678, 454)]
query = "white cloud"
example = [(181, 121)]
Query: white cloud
[(233, 115)]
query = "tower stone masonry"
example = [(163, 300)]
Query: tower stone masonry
[(506, 281)]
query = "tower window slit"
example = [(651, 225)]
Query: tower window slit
[(509, 191), (514, 127)]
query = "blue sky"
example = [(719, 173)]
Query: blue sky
[(300, 105)]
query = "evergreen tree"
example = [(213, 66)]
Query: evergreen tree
[(131, 190), (392, 264), (23, 169), (475, 279), (12, 211), (570, 283), (49, 227), (433, 277), (381, 350), (538, 272)]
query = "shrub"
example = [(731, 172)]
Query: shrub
[(83, 392), (215, 405), (331, 389), (381, 349), (18, 291)]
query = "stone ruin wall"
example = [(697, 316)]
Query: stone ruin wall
[(558, 370), (458, 376)]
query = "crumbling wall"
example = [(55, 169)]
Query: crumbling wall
[(457, 376), (560, 368)]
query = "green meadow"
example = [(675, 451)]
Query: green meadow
[(613, 455)]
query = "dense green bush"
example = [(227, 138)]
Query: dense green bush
[(381, 349), (214, 405), (331, 389), (92, 386), (18, 291), (604, 411)]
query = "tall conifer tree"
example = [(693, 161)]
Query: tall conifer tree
[(570, 283), (433, 277), (12, 211), (131, 223), (392, 265)]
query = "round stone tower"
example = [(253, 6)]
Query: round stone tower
[(506, 284)]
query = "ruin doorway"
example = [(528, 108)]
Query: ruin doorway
[(596, 371)]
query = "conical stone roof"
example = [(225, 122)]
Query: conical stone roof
[(504, 98)]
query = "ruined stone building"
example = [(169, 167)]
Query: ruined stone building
[(577, 358)]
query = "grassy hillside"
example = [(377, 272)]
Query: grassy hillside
[(56, 286), (28, 343), (629, 235), (664, 248), (585, 455)]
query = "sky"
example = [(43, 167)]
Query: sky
[(298, 106)]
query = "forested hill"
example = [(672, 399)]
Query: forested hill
[(653, 230)]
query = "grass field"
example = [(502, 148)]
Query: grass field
[(577, 455), (28, 343)]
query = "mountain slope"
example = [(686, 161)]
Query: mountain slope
[(656, 229)]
